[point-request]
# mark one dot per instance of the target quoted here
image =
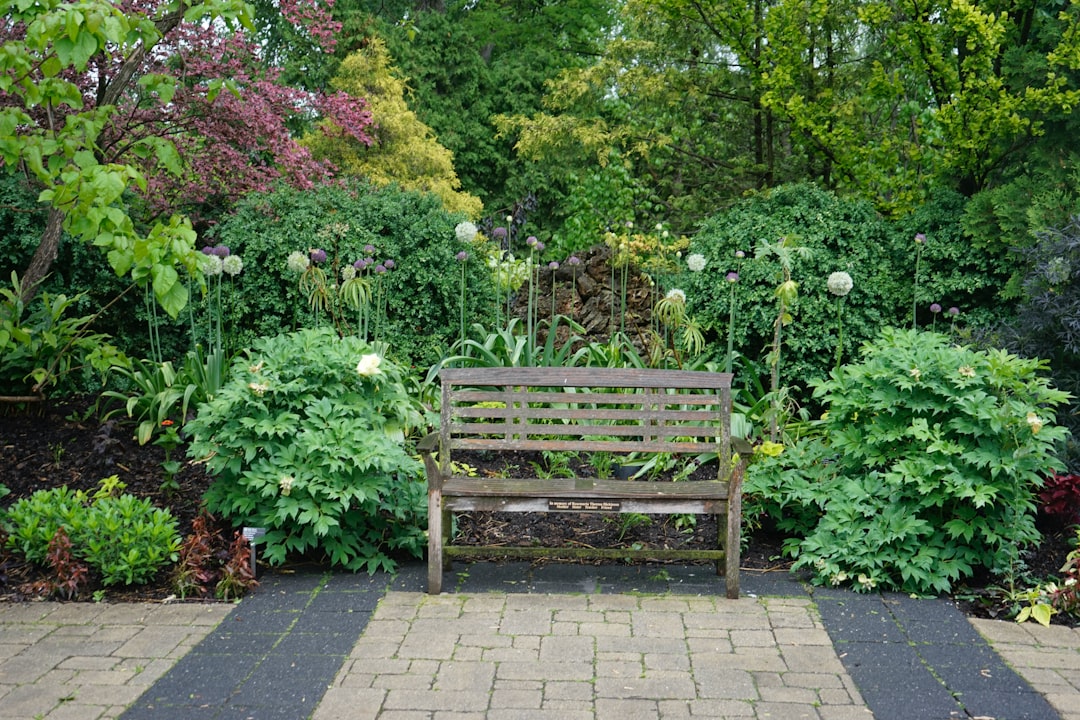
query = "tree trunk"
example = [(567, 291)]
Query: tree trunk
[(44, 255)]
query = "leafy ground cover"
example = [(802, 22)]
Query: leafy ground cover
[(63, 443)]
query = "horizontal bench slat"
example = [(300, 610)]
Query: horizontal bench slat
[(581, 553), (459, 486), (582, 399), (585, 377), (599, 415), (458, 429), (615, 446)]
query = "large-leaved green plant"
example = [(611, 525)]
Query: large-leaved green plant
[(307, 438), (933, 454)]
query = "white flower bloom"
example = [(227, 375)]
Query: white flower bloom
[(210, 265), (675, 295), (285, 484), (348, 273), (1035, 423), (369, 365), (465, 231), (232, 265), (696, 262), (839, 283), (258, 388), (298, 262)]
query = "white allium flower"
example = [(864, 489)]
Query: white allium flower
[(695, 262), (675, 295), (839, 283), (232, 265), (348, 273), (210, 265), (369, 365), (298, 262), (465, 231)]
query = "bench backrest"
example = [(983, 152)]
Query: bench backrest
[(617, 410)]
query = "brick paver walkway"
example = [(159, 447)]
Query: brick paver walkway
[(566, 657), (88, 662), (1048, 658)]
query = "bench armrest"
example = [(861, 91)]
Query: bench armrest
[(428, 444)]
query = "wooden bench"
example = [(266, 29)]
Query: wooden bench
[(583, 410)]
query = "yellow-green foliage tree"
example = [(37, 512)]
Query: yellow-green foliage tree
[(405, 150)]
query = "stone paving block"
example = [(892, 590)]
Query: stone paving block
[(726, 683), (812, 680), (752, 638), (505, 699), (567, 649), (581, 691), (15, 613), (342, 703), (786, 711), (519, 714), (716, 709), (28, 701), (811, 658), (609, 629), (679, 662), (626, 709), (149, 642), (654, 686), (431, 700), (796, 695), (24, 634), (841, 712), (465, 676), (544, 671)]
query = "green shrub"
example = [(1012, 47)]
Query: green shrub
[(841, 235), (928, 468), (422, 292), (301, 443), (125, 538)]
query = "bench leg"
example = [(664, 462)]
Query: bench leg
[(734, 530), (447, 527), (435, 542)]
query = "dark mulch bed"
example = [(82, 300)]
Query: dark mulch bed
[(62, 442)]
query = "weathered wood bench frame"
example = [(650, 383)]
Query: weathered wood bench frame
[(583, 410)]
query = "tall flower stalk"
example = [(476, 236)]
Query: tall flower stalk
[(920, 240), (785, 250), (839, 284)]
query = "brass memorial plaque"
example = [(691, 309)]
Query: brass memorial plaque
[(584, 505)]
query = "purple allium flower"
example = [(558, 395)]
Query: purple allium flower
[(462, 256), (935, 308), (222, 251), (318, 256), (369, 249), (499, 233), (389, 264), (732, 277), (739, 254), (954, 311), (360, 264), (380, 269), (539, 246), (369, 260), (920, 238), (208, 250), (531, 240), (574, 260), (553, 266)]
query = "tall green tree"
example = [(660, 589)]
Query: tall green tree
[(887, 100), (51, 122)]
